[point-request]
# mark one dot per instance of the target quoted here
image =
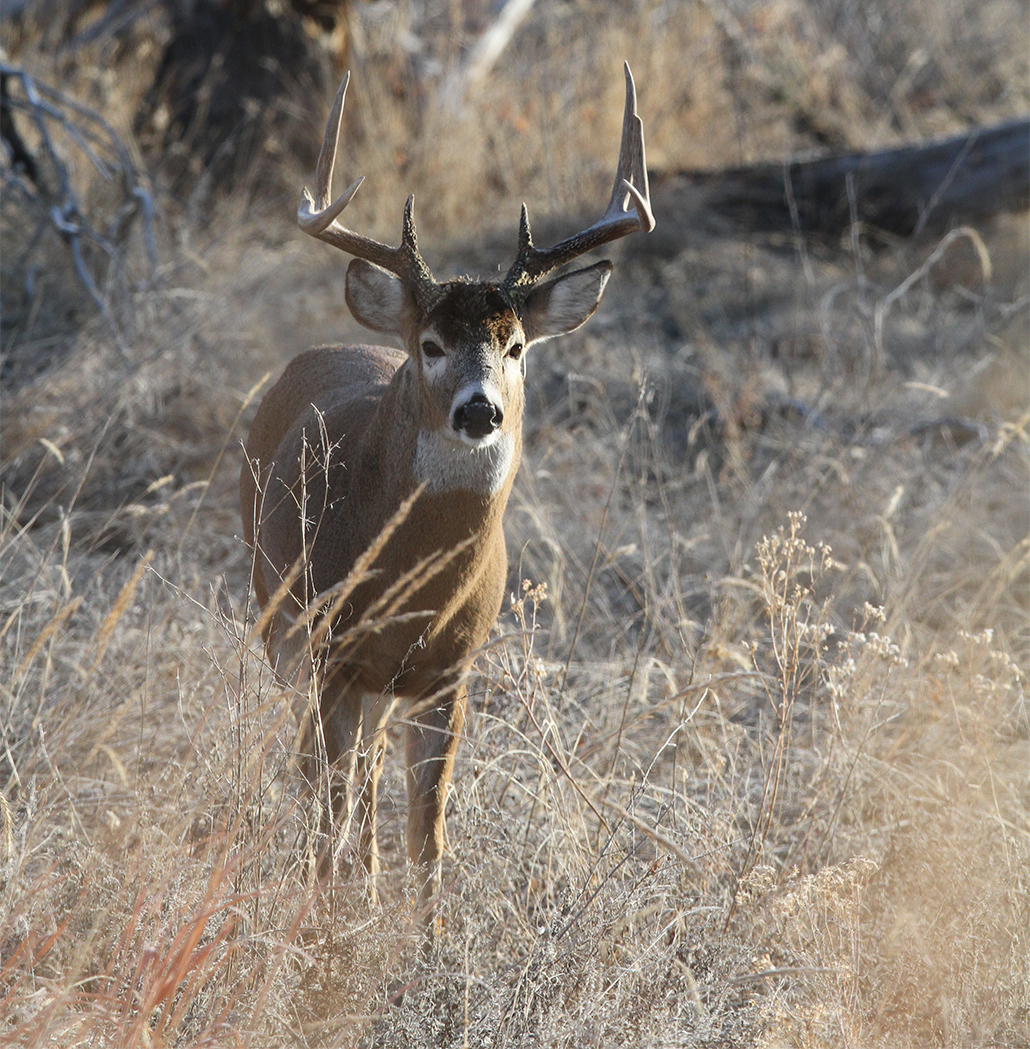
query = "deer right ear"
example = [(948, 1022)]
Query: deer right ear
[(377, 299)]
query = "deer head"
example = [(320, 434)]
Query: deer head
[(468, 339)]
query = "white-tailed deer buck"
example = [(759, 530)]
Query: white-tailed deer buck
[(375, 485)]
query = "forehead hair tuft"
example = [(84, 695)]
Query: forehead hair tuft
[(473, 310)]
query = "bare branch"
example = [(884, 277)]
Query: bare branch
[(41, 174)]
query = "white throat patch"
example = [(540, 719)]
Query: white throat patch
[(443, 464)]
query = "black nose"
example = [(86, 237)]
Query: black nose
[(478, 416)]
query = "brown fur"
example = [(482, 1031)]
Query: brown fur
[(352, 493)]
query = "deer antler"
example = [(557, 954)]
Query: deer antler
[(531, 264), (319, 219)]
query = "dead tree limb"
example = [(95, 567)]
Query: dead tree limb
[(904, 191), (37, 177)]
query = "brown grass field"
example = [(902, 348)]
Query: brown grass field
[(748, 759)]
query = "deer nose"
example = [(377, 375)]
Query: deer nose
[(478, 416)]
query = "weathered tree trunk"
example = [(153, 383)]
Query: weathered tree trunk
[(903, 191)]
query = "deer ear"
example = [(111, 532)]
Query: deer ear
[(377, 299), (563, 304)]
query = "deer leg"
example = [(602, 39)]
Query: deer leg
[(329, 757), (288, 653), (376, 713), (432, 741)]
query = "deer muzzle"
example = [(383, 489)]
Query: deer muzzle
[(478, 417)]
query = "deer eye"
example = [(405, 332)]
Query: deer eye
[(431, 349), (516, 351)]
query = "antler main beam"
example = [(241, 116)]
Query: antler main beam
[(319, 218), (532, 264)]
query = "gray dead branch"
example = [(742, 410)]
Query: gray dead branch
[(484, 53), (39, 128)]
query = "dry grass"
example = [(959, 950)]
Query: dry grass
[(748, 760)]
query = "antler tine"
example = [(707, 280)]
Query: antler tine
[(319, 219), (631, 174), (532, 264)]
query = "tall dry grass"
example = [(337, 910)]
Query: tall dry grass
[(748, 759)]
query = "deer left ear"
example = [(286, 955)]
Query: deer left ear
[(563, 304)]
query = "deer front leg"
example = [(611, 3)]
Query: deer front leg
[(432, 741), (328, 759), (369, 769)]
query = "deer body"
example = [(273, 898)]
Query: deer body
[(353, 489), (374, 496)]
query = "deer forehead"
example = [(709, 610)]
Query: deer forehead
[(474, 314)]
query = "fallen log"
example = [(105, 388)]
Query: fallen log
[(903, 191)]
